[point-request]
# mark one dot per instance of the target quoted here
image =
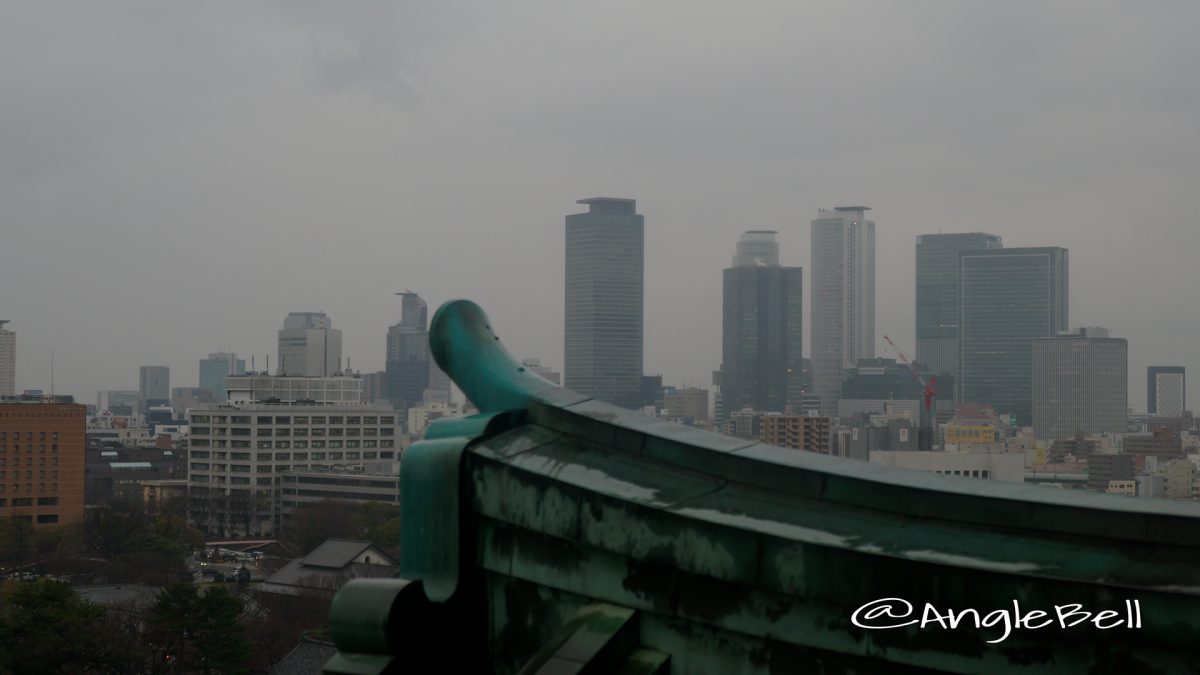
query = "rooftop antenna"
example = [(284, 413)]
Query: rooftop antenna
[(51, 372)]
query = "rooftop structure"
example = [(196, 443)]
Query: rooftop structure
[(572, 535)]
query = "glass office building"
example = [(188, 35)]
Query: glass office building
[(762, 329), (605, 258), (937, 296), (1007, 298)]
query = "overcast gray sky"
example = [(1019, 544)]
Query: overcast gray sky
[(176, 177)]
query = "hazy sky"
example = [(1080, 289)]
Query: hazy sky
[(176, 177)]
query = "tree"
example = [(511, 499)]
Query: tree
[(190, 632), (46, 628), (310, 524), (16, 540)]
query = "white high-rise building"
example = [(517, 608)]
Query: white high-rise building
[(843, 297), (8, 361), (309, 345)]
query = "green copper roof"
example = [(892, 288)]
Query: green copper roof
[(733, 556)]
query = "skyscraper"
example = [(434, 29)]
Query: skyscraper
[(605, 257), (1080, 384), (843, 297), (154, 386), (1166, 391), (8, 361), (309, 345), (214, 370), (937, 295), (408, 357), (762, 331), (1007, 297)]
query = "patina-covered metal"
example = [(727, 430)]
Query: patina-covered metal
[(729, 556)]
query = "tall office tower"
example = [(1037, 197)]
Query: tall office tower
[(8, 361), (1007, 297), (937, 296), (843, 297), (763, 326), (214, 370), (1166, 391), (408, 358), (605, 258), (1080, 384), (154, 386), (309, 345)]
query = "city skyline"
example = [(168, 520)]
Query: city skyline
[(358, 193)]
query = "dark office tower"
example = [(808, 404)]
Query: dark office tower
[(408, 357), (1007, 297), (843, 297), (1166, 391), (154, 386), (605, 257), (937, 296), (763, 328)]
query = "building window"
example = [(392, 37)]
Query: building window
[(47, 518), (283, 444)]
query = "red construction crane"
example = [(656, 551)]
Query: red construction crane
[(930, 386)]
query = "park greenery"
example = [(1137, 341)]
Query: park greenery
[(46, 627)]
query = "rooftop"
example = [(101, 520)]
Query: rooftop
[(721, 554), (611, 205)]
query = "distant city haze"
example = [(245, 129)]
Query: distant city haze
[(175, 180)]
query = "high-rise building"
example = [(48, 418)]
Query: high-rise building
[(937, 296), (309, 345), (1166, 391), (1007, 298), (408, 357), (8, 361), (605, 258), (843, 297), (154, 386), (762, 332), (42, 442), (1080, 384), (214, 370)]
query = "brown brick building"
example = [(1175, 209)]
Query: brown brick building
[(796, 431), (41, 459)]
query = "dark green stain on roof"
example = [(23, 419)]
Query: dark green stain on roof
[(728, 556)]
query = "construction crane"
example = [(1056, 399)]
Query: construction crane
[(930, 391)]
